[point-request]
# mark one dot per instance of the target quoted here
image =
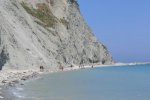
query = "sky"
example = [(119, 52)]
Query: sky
[(122, 25)]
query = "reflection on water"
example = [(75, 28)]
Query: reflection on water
[(111, 83)]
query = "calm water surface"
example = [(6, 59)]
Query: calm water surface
[(111, 83)]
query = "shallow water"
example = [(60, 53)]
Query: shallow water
[(110, 83)]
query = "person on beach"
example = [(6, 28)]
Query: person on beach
[(71, 66), (83, 66), (41, 68), (61, 67), (79, 66), (92, 66)]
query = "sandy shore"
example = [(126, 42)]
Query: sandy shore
[(13, 77)]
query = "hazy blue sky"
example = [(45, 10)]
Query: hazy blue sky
[(122, 25)]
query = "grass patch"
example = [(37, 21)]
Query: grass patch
[(43, 13), (65, 22), (72, 1)]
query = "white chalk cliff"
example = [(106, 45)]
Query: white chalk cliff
[(46, 32)]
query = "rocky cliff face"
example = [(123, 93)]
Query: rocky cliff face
[(46, 32)]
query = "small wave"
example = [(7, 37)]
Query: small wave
[(1, 97), (18, 95), (19, 89), (132, 64)]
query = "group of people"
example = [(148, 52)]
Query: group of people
[(62, 67)]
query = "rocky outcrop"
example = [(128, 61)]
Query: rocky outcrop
[(46, 32), (3, 58)]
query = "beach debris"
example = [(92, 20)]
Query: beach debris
[(71, 66), (25, 78), (4, 81), (17, 77), (15, 81), (21, 84), (11, 84)]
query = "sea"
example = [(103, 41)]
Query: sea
[(103, 83)]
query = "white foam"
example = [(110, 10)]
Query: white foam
[(1, 97), (18, 95), (21, 96), (20, 89)]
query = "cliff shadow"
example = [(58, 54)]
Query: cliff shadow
[(3, 58)]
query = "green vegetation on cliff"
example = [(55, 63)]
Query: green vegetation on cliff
[(43, 13)]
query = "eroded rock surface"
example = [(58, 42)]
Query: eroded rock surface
[(46, 32)]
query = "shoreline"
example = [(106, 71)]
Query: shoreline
[(14, 77), (11, 78)]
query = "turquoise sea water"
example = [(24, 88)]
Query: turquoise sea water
[(109, 83)]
